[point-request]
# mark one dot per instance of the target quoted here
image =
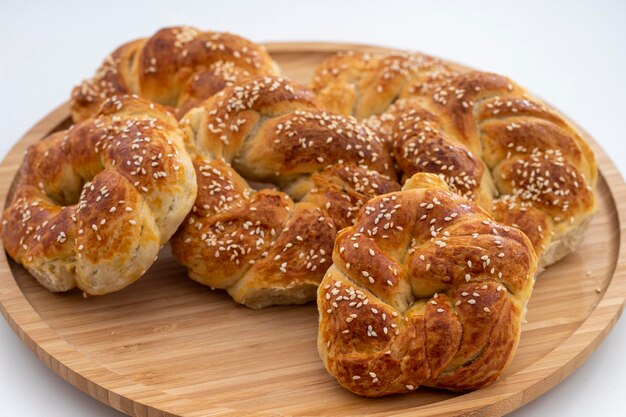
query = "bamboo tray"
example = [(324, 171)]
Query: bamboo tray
[(167, 346)]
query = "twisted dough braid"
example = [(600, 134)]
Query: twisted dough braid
[(362, 85), (272, 247), (486, 136), (425, 289), (177, 67), (93, 204)]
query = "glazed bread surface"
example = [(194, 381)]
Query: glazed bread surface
[(177, 67), (425, 289), (93, 205), (487, 137), (273, 246)]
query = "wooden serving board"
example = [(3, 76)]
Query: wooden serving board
[(169, 346)]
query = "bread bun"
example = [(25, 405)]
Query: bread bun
[(93, 205), (273, 246), (177, 67), (489, 138), (425, 289)]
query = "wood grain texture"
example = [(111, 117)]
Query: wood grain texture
[(166, 346)]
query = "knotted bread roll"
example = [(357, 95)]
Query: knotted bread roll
[(490, 139), (272, 247), (177, 67), (425, 289), (93, 205)]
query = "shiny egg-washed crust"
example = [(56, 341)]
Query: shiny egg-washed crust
[(273, 246), (486, 136), (425, 289), (92, 205), (177, 67)]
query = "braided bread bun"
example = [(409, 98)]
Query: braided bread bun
[(425, 289), (92, 205), (272, 247), (177, 67), (486, 136)]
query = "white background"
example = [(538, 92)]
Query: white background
[(571, 53)]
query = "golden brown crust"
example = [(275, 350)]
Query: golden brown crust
[(221, 126), (273, 247), (361, 84), (112, 78), (342, 191), (487, 137), (420, 144), (261, 246), (93, 204), (229, 227), (425, 289), (177, 67)]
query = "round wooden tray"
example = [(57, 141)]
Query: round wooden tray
[(168, 346)]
